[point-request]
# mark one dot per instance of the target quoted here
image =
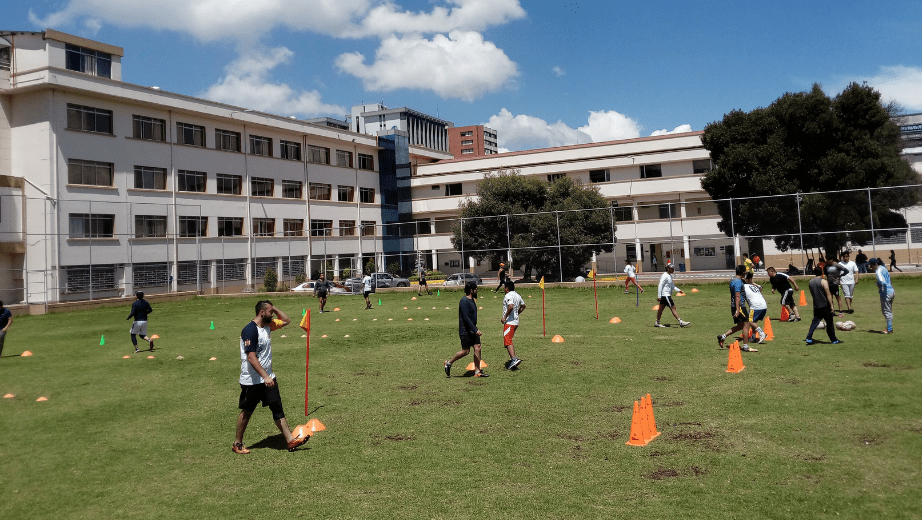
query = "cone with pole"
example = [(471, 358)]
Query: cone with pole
[(735, 359)]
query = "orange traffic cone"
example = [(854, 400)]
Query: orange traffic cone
[(803, 299), (656, 307), (769, 335), (557, 339), (695, 289), (471, 367), (735, 359), (651, 421), (615, 320), (785, 315), (315, 425), (636, 428)]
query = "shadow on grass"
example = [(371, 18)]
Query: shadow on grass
[(274, 442)]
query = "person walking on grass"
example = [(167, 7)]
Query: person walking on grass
[(822, 307), (738, 310), (6, 319), (862, 260), (321, 288), (366, 290), (885, 289), (757, 307), (257, 381), (631, 276), (501, 274), (834, 271), (468, 331), (848, 279), (513, 305), (422, 282), (893, 261), (666, 288), (139, 311), (783, 283)]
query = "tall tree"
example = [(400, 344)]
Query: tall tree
[(807, 142), (532, 208)]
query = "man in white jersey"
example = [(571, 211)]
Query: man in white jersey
[(666, 287), (631, 276), (848, 279), (513, 305), (757, 307), (366, 286), (257, 381)]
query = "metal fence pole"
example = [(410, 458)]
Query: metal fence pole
[(508, 244), (463, 259), (614, 251), (800, 229), (871, 215), (559, 250)]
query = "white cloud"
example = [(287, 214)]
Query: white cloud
[(609, 126), (247, 84), (461, 65), (523, 132), (558, 71), (899, 83), (677, 130), (465, 15)]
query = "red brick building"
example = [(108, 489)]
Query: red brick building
[(472, 141)]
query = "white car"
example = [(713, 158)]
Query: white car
[(309, 287), (462, 278)]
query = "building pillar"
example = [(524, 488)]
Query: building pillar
[(335, 267), (128, 279), (736, 249), (688, 266)]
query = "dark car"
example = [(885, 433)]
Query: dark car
[(386, 280)]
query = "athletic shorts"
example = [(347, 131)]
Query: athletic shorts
[(757, 315), (788, 298), (139, 327), (467, 342), (742, 317), (508, 332), (848, 289), (667, 301), (321, 294), (366, 293), (252, 395), (834, 289), (422, 281)]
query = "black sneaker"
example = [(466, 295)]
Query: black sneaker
[(514, 362), (481, 374), (447, 369), (720, 340), (137, 350)]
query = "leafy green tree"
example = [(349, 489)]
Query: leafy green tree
[(807, 142), (531, 207), (270, 280)]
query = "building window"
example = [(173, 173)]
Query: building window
[(701, 165), (188, 180), (192, 272), (344, 158), (235, 269), (452, 190), (467, 142), (149, 226), (149, 178), (319, 191), (368, 228), (86, 225), (193, 226), (668, 210), (293, 227), (89, 173), (191, 135), (599, 176), (366, 162), (262, 187), (292, 266), (260, 145), (554, 176), (291, 189), (149, 128), (88, 61), (229, 184), (316, 154), (290, 150), (89, 119), (83, 278), (649, 171), (467, 133), (467, 150), (624, 214), (230, 226), (226, 140), (4, 58), (263, 227), (345, 193), (321, 228), (347, 228), (261, 265), (367, 195)]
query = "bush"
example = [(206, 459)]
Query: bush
[(393, 268), (370, 266), (283, 287), (270, 281), (346, 273)]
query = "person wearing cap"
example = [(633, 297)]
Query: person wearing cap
[(139, 311), (885, 289), (666, 287), (822, 306), (631, 276), (501, 274)]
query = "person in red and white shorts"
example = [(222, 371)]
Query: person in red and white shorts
[(513, 305)]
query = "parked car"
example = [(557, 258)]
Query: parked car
[(386, 280), (462, 279), (309, 287)]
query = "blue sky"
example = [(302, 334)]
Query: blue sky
[(542, 73)]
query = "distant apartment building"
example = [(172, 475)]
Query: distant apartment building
[(472, 141), (422, 129)]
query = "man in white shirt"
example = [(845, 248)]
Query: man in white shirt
[(666, 287), (631, 276), (366, 290), (848, 279), (757, 306), (513, 305)]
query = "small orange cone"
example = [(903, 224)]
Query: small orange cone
[(409, 319), (557, 339), (735, 359), (26, 354), (404, 308), (656, 307), (9, 396), (155, 336), (335, 309), (651, 421), (315, 425), (785, 315), (694, 289), (337, 319), (769, 335), (471, 367), (323, 336), (346, 336), (615, 320), (636, 428), (803, 299), (212, 358), (43, 398), (301, 431), (126, 357), (413, 298), (150, 357)]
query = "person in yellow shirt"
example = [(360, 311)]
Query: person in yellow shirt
[(747, 262)]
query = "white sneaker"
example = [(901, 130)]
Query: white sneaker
[(684, 323), (761, 337), (659, 325)]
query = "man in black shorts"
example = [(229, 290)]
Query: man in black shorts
[(321, 287), (257, 382), (783, 283), (834, 272), (467, 330), (501, 274), (738, 310), (422, 282)]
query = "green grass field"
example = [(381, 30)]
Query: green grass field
[(803, 432)]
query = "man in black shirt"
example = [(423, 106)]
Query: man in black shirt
[(139, 311), (783, 284), (862, 260), (467, 330)]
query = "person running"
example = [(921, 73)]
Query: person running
[(666, 287), (834, 273), (757, 306), (738, 311), (501, 274), (885, 289), (422, 282), (747, 263), (893, 261), (366, 289), (848, 279), (6, 319), (139, 311), (782, 283), (468, 331), (321, 288), (862, 260), (257, 381), (631, 276), (822, 307), (513, 305)]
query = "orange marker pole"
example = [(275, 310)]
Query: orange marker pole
[(543, 324), (306, 325)]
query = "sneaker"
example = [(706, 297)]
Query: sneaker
[(238, 448), (838, 342), (137, 350), (761, 337), (809, 341), (627, 292), (321, 311), (297, 441), (481, 373), (792, 319), (447, 369), (747, 348), (151, 344), (720, 340), (684, 323), (506, 364), (798, 318), (514, 362), (641, 291), (659, 325)]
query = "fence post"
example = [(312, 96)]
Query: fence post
[(800, 229), (463, 259), (614, 251), (871, 214), (559, 251)]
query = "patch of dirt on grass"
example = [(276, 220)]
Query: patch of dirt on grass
[(577, 452), (410, 387), (576, 363), (915, 429), (374, 373), (400, 437), (451, 403), (660, 378), (792, 381), (698, 471), (695, 436), (674, 403), (872, 364), (708, 439), (657, 454), (415, 403), (814, 458), (870, 439), (613, 436), (569, 437), (619, 409), (663, 473)]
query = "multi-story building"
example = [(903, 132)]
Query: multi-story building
[(472, 141), (422, 130)]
